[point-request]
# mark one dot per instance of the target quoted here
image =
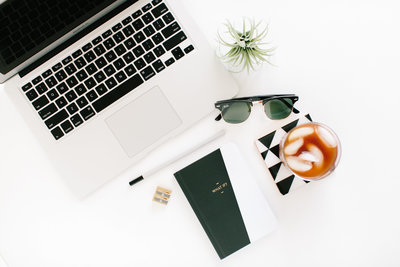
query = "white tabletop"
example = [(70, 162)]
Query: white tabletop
[(341, 57)]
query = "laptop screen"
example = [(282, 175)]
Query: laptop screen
[(28, 26)]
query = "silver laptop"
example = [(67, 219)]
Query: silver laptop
[(103, 82)]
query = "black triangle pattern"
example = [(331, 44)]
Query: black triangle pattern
[(290, 126), (275, 169), (308, 117), (275, 150), (284, 185), (264, 154), (267, 140)]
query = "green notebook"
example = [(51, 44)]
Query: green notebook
[(226, 200)]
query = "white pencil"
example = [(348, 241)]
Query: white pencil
[(178, 157)]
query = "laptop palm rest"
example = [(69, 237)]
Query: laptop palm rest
[(143, 121)]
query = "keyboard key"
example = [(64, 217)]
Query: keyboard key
[(71, 95), (118, 37), (62, 88), (99, 50), (147, 73), (52, 94), (158, 24), (46, 74), (148, 44), (90, 83), (67, 126), (48, 111), (174, 40), (61, 75), (76, 120), (80, 63), (110, 56), (146, 8), (91, 68), (138, 24), (57, 133), (117, 27), (87, 47), (90, 56), (40, 102), (170, 61), (107, 34), (82, 102), (80, 89), (189, 49), (130, 70), (119, 64), (129, 43), (137, 14), (171, 30), (109, 43), (26, 87), (158, 65), (139, 37), (72, 108), (101, 62), (77, 53), (101, 89), (177, 52), (159, 51), (120, 76), (149, 31), (156, 2), (168, 18), (97, 40), (70, 69), (32, 94), (127, 21), (67, 60), (92, 95), (159, 10), (138, 51), (149, 57), (157, 38), (51, 82), (120, 91), (81, 75), (37, 80), (111, 83), (61, 102), (120, 50), (57, 67), (87, 113), (100, 76), (140, 64), (128, 31), (109, 70), (41, 88), (147, 18), (128, 57)]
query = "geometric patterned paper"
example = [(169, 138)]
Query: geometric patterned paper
[(268, 146)]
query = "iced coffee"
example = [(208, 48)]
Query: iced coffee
[(310, 150)]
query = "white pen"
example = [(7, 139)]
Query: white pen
[(178, 157)]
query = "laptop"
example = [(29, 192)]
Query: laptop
[(101, 83)]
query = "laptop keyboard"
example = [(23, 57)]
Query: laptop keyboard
[(112, 65)]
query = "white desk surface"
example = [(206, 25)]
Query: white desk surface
[(341, 57)]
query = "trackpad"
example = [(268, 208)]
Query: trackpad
[(143, 121)]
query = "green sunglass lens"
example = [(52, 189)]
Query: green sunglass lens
[(236, 112), (277, 109)]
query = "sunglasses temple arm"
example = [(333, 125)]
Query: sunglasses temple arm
[(295, 110), (218, 118)]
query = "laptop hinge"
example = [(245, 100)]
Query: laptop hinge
[(75, 38)]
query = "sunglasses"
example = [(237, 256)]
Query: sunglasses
[(237, 110)]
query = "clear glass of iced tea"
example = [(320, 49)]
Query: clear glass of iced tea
[(311, 151)]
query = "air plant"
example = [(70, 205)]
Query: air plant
[(246, 47)]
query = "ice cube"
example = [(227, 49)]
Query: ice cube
[(307, 156), (298, 164), (316, 153), (301, 132), (326, 136), (293, 147)]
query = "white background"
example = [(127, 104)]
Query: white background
[(341, 57)]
